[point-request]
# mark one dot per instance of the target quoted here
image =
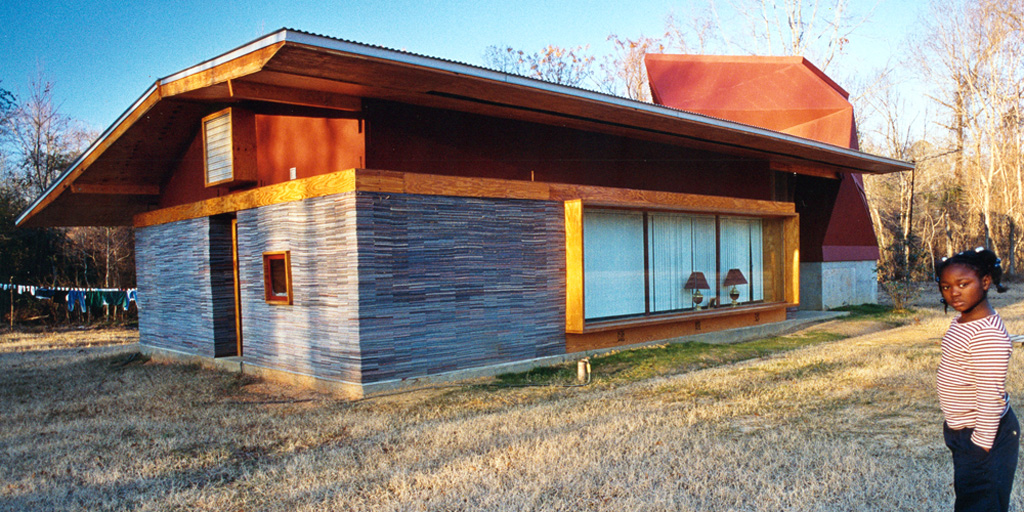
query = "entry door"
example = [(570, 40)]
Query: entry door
[(237, 284)]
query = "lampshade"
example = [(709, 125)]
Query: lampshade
[(734, 277), (697, 282)]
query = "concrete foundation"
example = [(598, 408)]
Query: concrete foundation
[(831, 284)]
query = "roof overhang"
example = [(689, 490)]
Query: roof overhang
[(129, 162)]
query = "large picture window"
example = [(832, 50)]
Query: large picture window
[(638, 262)]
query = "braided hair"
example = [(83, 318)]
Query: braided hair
[(983, 261)]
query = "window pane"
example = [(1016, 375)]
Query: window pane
[(705, 246), (671, 258), (742, 249), (278, 282), (677, 246), (613, 263)]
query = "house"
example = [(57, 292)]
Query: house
[(357, 217), (838, 248)]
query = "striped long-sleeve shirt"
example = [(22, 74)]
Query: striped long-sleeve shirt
[(971, 379)]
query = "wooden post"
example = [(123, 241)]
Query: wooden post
[(11, 282)]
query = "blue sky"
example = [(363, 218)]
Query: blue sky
[(101, 55)]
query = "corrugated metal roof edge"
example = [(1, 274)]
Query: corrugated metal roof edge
[(366, 50)]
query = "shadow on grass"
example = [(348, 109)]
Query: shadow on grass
[(643, 363)]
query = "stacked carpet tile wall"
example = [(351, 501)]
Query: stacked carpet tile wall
[(450, 283), (176, 287), (318, 333), (418, 285), (385, 286)]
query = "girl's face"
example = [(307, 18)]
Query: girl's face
[(965, 292)]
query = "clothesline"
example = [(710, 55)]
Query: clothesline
[(83, 298)]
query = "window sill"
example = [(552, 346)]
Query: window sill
[(669, 318)]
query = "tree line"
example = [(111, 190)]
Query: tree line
[(967, 189), (37, 144)]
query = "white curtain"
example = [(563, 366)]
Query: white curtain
[(677, 246), (741, 249), (704, 248), (669, 247), (613, 263)]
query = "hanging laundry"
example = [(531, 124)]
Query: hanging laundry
[(115, 298), (133, 296), (44, 293), (77, 298), (94, 299)]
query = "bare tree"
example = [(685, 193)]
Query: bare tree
[(43, 141), (565, 66), (626, 72), (816, 29)]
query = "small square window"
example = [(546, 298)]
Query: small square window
[(277, 277)]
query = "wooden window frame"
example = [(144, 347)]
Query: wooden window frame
[(268, 288), (242, 136), (787, 235)]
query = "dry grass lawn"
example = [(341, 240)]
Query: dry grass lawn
[(850, 425)]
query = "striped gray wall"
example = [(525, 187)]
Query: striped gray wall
[(318, 334), (181, 289), (449, 283), (385, 286)]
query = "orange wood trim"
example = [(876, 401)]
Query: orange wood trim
[(285, 300), (237, 287), (294, 190), (773, 269), (117, 190), (242, 90), (245, 65), (425, 184), (604, 196), (791, 255), (612, 335), (574, 266)]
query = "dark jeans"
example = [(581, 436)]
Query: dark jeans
[(982, 481)]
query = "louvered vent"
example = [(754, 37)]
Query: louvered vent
[(228, 147), (218, 148)]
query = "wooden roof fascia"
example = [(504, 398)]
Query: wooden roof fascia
[(506, 89), (222, 72), (59, 186), (494, 92), (202, 76)]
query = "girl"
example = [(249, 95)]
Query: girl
[(980, 428)]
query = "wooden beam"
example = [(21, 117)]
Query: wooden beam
[(820, 172), (791, 258), (425, 184), (574, 266), (96, 150), (245, 65), (294, 190), (116, 190), (242, 90), (645, 330)]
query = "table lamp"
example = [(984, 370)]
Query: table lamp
[(697, 282), (733, 278)]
